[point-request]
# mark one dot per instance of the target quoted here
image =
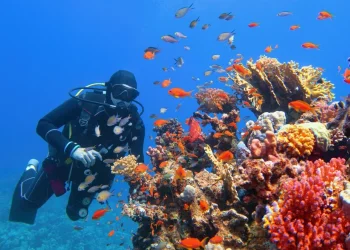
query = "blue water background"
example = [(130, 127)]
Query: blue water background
[(49, 47)]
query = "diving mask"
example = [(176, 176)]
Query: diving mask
[(124, 93)]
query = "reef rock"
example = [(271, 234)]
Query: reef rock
[(272, 121), (188, 194)]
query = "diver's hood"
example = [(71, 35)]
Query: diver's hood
[(120, 77)]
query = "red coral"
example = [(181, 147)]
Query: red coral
[(308, 219)]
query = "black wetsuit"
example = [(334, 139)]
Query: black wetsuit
[(59, 168)]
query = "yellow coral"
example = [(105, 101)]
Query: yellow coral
[(209, 152), (295, 141), (125, 165)]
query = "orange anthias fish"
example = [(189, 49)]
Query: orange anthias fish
[(216, 240), (191, 243), (268, 49), (232, 124), (252, 25), (324, 15), (111, 233), (241, 70), (226, 156), (347, 74), (141, 168), (163, 164), (160, 122), (99, 213), (180, 173), (294, 27), (301, 106), (179, 93), (166, 83), (195, 130), (148, 55), (223, 79), (309, 45)]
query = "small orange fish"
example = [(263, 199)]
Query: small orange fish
[(228, 133), (232, 124), (203, 204), (268, 49), (216, 239), (347, 73), (141, 168), (252, 25), (166, 83), (111, 233), (223, 79), (226, 156), (324, 15), (309, 45), (347, 80), (160, 122), (294, 27), (163, 164), (191, 243), (99, 213), (247, 104), (259, 66), (301, 106), (241, 70), (217, 135), (148, 55), (117, 218), (186, 207), (180, 173), (179, 93)]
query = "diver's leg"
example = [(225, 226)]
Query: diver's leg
[(31, 192)]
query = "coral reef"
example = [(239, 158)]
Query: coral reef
[(278, 184)]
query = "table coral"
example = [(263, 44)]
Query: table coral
[(295, 141), (277, 84)]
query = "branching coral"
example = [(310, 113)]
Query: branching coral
[(295, 141), (277, 84), (214, 100), (307, 216)]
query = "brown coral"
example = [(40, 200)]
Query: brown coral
[(295, 141), (277, 84)]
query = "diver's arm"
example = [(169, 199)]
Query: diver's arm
[(136, 146), (48, 126)]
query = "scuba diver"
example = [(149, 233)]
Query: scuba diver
[(90, 137)]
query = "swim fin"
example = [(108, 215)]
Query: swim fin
[(23, 210)]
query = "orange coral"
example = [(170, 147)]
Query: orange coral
[(295, 141)]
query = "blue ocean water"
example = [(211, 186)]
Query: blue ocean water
[(49, 47)]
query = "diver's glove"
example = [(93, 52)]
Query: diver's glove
[(88, 158)]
